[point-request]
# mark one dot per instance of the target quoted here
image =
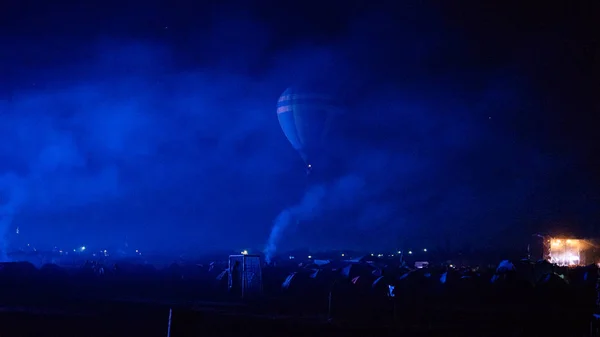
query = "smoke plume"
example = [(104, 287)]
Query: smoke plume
[(308, 208), (12, 194)]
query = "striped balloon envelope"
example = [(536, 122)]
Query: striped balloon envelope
[(305, 119)]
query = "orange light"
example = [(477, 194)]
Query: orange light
[(566, 252)]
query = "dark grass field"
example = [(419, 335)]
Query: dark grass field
[(146, 318), (45, 306)]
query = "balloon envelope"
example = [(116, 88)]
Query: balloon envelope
[(305, 119)]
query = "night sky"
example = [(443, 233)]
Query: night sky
[(466, 124)]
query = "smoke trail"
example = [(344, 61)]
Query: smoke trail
[(5, 221), (11, 197), (339, 195), (309, 207)]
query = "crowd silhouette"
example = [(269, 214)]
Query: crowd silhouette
[(518, 297)]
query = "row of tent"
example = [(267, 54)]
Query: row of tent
[(368, 275)]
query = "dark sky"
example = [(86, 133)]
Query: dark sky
[(465, 123)]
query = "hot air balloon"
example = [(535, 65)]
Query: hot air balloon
[(305, 119)]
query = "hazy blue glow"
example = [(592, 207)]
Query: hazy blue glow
[(136, 140)]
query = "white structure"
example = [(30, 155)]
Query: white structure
[(245, 275)]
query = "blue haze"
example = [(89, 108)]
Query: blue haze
[(176, 145)]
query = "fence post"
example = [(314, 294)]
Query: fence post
[(329, 317), (169, 326)]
